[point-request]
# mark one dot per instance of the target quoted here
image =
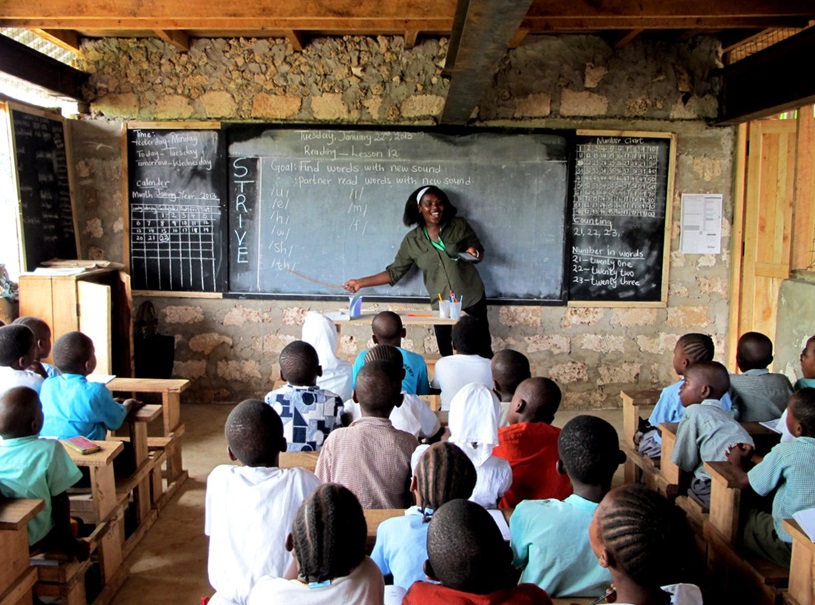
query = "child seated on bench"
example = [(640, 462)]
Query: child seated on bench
[(509, 369), (758, 394), (18, 346), (690, 348), (529, 444), (706, 431), (250, 507), (787, 470), (473, 565), (328, 539), (444, 473), (647, 545), (42, 345), (31, 467)]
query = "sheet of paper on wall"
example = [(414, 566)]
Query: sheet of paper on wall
[(701, 223)]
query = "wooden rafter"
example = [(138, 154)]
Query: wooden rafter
[(64, 38), (178, 38), (22, 62), (411, 36)]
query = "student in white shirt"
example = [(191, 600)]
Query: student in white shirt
[(250, 507), (466, 365)]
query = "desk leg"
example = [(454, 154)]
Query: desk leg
[(138, 438), (103, 490), (171, 402)]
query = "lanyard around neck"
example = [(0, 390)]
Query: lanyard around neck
[(439, 245)]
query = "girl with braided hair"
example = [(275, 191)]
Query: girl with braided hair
[(328, 539), (690, 348), (443, 473), (647, 545)]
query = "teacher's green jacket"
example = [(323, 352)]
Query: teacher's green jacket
[(441, 269)]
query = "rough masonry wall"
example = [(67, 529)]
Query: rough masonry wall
[(229, 348)]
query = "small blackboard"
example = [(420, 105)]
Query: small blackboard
[(310, 209), (619, 233), (176, 208), (44, 187)]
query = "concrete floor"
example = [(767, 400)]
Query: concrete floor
[(169, 566)]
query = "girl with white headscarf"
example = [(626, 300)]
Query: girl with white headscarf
[(473, 424), (321, 333)]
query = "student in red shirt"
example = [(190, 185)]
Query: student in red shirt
[(467, 554), (529, 444)]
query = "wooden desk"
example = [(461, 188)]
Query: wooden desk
[(306, 460), (170, 390), (637, 405), (373, 517), (138, 439), (802, 565), (14, 517), (103, 483), (668, 469)]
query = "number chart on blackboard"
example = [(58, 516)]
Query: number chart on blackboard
[(44, 185), (310, 209), (620, 215), (176, 209)]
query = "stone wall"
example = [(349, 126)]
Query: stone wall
[(229, 347), (796, 322)]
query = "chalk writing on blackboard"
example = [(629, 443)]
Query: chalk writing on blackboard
[(44, 187), (175, 210), (618, 218)]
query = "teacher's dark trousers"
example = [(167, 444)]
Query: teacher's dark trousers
[(444, 333)]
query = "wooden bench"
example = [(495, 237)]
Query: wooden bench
[(742, 577), (17, 577), (638, 405), (306, 460), (802, 566)]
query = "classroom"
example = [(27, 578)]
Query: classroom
[(713, 85)]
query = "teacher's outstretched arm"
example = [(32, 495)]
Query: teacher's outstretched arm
[(380, 279)]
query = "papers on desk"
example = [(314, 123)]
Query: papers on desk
[(394, 594), (806, 519), (498, 515), (100, 378), (338, 316), (58, 271)]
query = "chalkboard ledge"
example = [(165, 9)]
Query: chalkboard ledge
[(656, 304), (176, 294)]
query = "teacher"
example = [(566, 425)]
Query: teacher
[(435, 246)]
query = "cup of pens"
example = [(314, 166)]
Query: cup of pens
[(444, 309), (455, 309)]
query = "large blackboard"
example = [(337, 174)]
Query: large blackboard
[(43, 184), (619, 215), (309, 209), (176, 209)]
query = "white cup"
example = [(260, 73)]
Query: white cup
[(444, 309), (455, 310)]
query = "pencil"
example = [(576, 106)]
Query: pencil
[(421, 315)]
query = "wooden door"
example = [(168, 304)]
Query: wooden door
[(769, 196), (94, 320)]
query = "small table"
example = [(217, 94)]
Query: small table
[(103, 482), (170, 390)]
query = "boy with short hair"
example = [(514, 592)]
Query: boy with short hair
[(473, 565), (509, 369), (250, 507), (387, 329), (758, 395), (308, 412), (370, 457), (549, 538), (529, 444), (73, 405), (706, 430), (31, 467), (17, 351), (466, 365), (414, 415), (807, 366), (42, 336)]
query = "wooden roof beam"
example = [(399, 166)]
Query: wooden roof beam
[(623, 38), (489, 27), (694, 9), (770, 81), (584, 24), (64, 38), (411, 35), (176, 37), (518, 38), (41, 70), (297, 39)]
